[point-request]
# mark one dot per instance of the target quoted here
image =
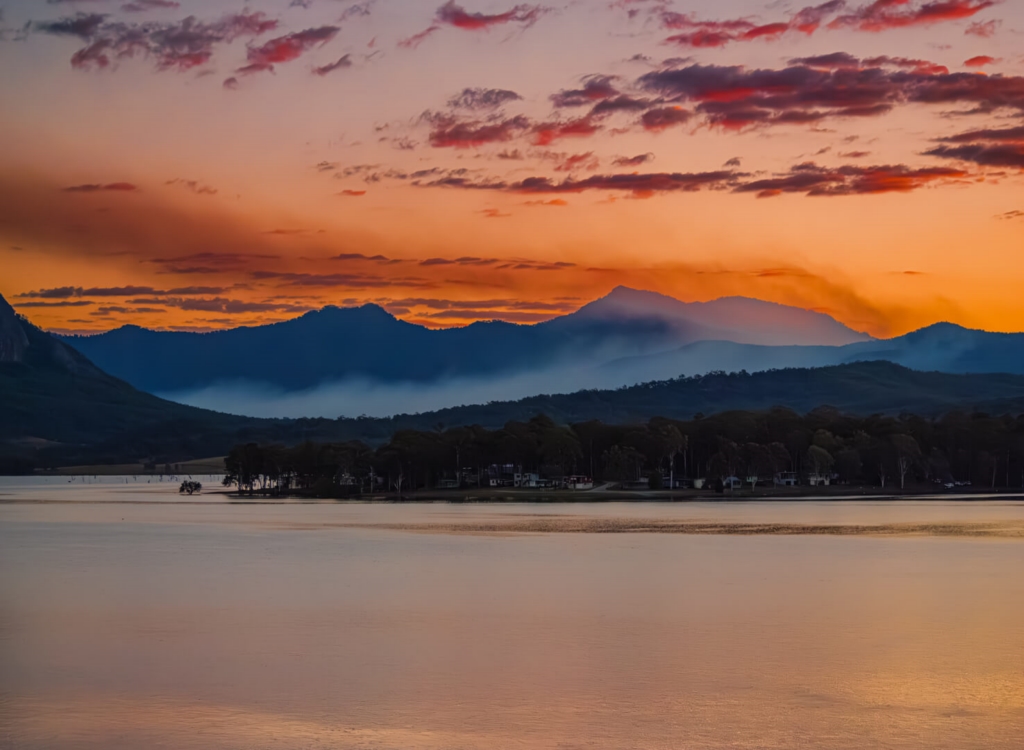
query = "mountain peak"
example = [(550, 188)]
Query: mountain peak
[(13, 341), (744, 320)]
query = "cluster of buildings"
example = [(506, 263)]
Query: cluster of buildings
[(509, 475)]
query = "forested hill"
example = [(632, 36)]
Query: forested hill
[(858, 388)]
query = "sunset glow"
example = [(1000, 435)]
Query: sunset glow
[(202, 165)]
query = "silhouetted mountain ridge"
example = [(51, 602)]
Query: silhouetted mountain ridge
[(367, 343), (59, 409)]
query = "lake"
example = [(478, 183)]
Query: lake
[(132, 618)]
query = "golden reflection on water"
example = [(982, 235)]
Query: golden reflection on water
[(213, 627)]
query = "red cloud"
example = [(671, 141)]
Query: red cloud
[(353, 193), (449, 132), (767, 30), (455, 15), (549, 132), (877, 16), (452, 14), (893, 14), (720, 33), (837, 85), (810, 179), (286, 48), (416, 39), (979, 61)]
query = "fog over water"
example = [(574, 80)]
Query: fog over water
[(129, 619)]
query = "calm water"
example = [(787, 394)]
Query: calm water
[(129, 622)]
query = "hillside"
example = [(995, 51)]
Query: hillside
[(58, 407)]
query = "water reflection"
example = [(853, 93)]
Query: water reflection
[(126, 625)]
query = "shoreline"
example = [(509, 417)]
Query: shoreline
[(228, 497)]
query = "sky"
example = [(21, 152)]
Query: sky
[(178, 164)]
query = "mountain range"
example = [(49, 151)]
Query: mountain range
[(362, 360), (58, 408)]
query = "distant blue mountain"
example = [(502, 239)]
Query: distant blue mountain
[(335, 344), (942, 347), (362, 360)]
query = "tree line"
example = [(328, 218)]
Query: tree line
[(757, 447)]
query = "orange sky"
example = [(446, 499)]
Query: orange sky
[(454, 162)]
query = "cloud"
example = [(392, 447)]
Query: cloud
[(989, 147), (349, 280), (637, 184), (223, 260), (141, 6), (984, 29), (466, 260), (988, 155), (451, 132), (417, 39), (633, 161), (620, 104), (594, 89), (807, 178), (546, 133), (454, 15), (286, 48), (979, 61), (894, 14), (360, 256), (1015, 214), (110, 187), (482, 99), (813, 180), (352, 193), (345, 61), (556, 202), (63, 303), (661, 118), (180, 45), (1010, 135), (68, 292), (873, 17), (481, 304), (82, 25), (709, 34), (193, 185), (838, 85), (573, 162)]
